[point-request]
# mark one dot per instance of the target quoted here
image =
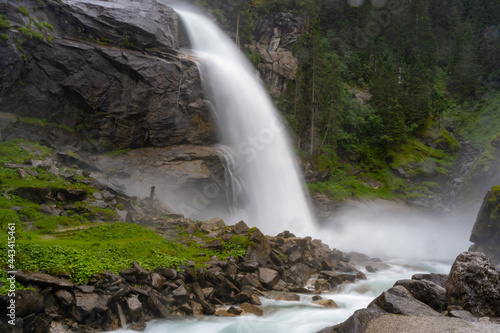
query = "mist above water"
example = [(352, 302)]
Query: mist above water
[(267, 189), (380, 233)]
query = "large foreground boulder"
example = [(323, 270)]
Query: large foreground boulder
[(474, 284), (427, 292), (398, 300)]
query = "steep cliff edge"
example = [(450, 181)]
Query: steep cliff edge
[(110, 71)]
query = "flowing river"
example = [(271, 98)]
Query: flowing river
[(303, 316)]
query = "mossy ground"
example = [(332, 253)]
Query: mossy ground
[(494, 201), (76, 246), (370, 177)]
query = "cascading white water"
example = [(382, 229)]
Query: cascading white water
[(271, 188)]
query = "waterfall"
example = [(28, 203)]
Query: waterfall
[(271, 192)]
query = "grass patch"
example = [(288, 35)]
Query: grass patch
[(114, 153), (44, 123), (82, 253)]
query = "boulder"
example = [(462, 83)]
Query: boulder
[(253, 309), (241, 228), (439, 279), (398, 300), (427, 292), (135, 308), (181, 295), (26, 302), (321, 285), (157, 281), (327, 303), (88, 305), (288, 297), (259, 248), (474, 284), (359, 321), (268, 277), (42, 279), (249, 265), (168, 273), (64, 297), (298, 274), (212, 224)]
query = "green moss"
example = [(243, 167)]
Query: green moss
[(49, 39), (72, 154), (487, 163), (494, 201), (44, 123), (415, 158), (48, 26), (114, 153), (4, 37), (37, 35), (19, 151), (23, 10), (26, 31), (4, 23), (39, 25)]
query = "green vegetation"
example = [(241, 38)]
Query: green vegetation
[(114, 153), (26, 31), (4, 36), (371, 82), (477, 121), (44, 123), (48, 26), (78, 243), (494, 201), (5, 284), (37, 35), (4, 23), (23, 10)]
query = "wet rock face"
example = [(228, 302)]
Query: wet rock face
[(190, 179), (474, 284), (112, 72), (486, 231), (275, 35)]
